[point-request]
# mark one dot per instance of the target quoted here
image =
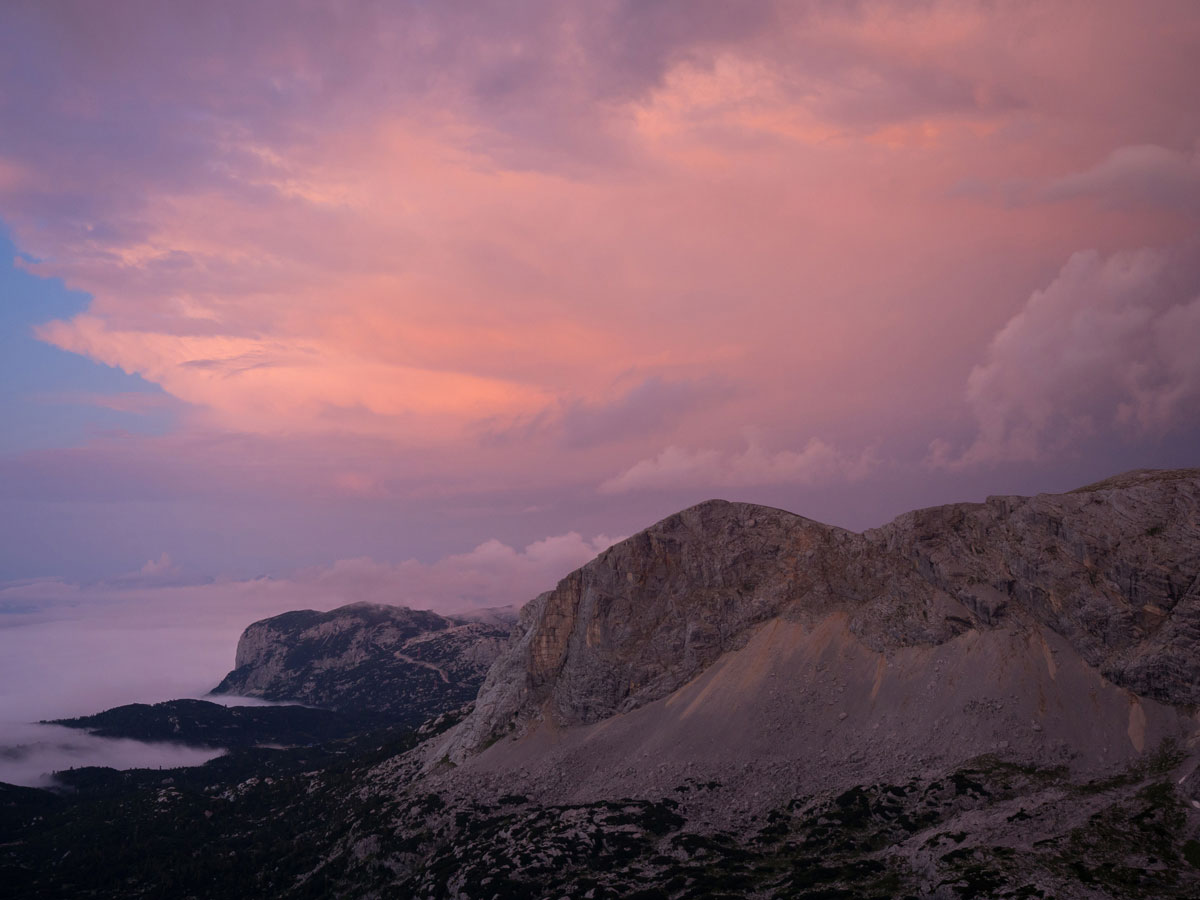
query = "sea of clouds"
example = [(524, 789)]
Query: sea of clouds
[(69, 649)]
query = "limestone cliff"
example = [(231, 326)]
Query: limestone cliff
[(403, 663)]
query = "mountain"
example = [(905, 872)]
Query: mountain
[(973, 701), (408, 665), (1017, 607), (1001, 694)]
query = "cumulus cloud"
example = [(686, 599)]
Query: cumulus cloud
[(154, 572), (1110, 343), (680, 468)]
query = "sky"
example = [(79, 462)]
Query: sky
[(427, 303)]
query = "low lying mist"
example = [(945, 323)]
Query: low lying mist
[(30, 753), (76, 659)]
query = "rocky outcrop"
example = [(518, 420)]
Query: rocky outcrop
[(1112, 569), (408, 665)]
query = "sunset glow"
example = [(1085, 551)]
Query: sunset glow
[(288, 284)]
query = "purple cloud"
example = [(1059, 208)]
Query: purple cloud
[(1109, 343)]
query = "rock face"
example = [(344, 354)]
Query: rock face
[(1109, 573), (408, 665)]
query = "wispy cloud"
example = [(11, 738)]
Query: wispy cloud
[(677, 468), (645, 409)]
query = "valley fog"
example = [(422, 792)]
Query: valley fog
[(91, 657), (30, 753)]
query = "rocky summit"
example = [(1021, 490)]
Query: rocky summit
[(994, 699), (406, 664)]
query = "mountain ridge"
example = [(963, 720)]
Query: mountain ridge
[(974, 700), (1111, 585)]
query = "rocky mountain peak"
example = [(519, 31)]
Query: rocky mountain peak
[(364, 657), (1113, 569)]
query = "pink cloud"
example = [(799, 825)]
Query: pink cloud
[(492, 574), (250, 384), (380, 255), (677, 468)]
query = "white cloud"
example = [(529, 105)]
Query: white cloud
[(678, 468)]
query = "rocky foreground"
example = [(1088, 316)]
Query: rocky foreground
[(977, 700)]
